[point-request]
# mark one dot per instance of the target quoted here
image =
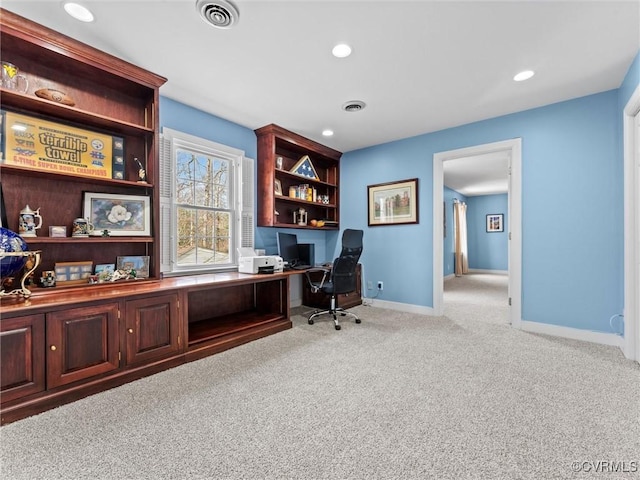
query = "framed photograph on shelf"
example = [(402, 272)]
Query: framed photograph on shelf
[(277, 187), (139, 263), (120, 215), (73, 273), (495, 222), (105, 267), (393, 203)]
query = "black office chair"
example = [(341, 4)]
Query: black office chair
[(340, 278)]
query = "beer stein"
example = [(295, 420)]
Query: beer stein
[(29, 222), (12, 80)]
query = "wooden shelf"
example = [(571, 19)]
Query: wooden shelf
[(206, 330), (28, 103), (27, 172), (280, 147), (84, 240)]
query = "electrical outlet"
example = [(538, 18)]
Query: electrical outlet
[(380, 286), (369, 285)]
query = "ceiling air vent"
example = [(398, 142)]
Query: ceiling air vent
[(353, 106), (218, 13)]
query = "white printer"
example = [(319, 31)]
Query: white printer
[(250, 262)]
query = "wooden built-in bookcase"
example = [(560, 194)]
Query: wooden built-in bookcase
[(112, 97), (276, 210), (64, 343)]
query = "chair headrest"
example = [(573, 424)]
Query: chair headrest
[(352, 238)]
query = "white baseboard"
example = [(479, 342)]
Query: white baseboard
[(480, 270), (401, 307), (450, 276), (572, 333)]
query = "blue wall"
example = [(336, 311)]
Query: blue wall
[(184, 118), (487, 250), (572, 194), (572, 245)]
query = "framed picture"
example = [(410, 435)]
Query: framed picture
[(277, 188), (73, 273), (139, 263), (57, 231), (393, 203), (120, 215), (495, 222), (105, 267)]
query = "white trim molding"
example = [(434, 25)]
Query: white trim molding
[(514, 147), (572, 333), (400, 307), (631, 344)]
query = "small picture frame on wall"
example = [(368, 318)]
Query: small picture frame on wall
[(495, 222)]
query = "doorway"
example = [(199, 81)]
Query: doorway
[(513, 149)]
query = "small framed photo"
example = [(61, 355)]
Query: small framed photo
[(495, 222), (277, 187), (73, 273), (120, 215), (139, 263), (105, 267), (57, 231)]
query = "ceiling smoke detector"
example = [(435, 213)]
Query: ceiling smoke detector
[(353, 106), (218, 13)]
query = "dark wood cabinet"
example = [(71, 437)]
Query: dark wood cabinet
[(112, 97), (279, 151), (322, 300), (152, 328), (22, 357), (81, 343)]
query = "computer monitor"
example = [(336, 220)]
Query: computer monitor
[(288, 247)]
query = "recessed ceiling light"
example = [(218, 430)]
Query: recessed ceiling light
[(327, 132), (524, 75), (341, 50), (78, 12)]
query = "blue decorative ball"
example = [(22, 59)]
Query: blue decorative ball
[(11, 242)]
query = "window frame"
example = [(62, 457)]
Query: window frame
[(183, 141)]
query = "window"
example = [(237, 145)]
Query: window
[(206, 203)]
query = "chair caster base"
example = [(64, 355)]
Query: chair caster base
[(338, 327), (358, 320), (310, 322)]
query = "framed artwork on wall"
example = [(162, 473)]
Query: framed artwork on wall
[(495, 222), (393, 203)]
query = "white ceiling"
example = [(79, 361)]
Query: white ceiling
[(420, 66)]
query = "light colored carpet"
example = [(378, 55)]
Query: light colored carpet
[(400, 396)]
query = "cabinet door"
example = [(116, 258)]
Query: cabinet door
[(152, 328), (81, 342), (21, 356)]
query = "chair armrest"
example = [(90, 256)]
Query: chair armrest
[(315, 286)]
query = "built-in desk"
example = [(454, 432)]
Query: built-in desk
[(60, 347)]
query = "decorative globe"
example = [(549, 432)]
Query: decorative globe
[(11, 242)]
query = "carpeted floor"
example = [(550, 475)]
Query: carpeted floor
[(400, 396)]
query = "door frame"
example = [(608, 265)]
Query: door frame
[(514, 148), (631, 132)]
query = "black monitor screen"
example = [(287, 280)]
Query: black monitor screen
[(288, 247)]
